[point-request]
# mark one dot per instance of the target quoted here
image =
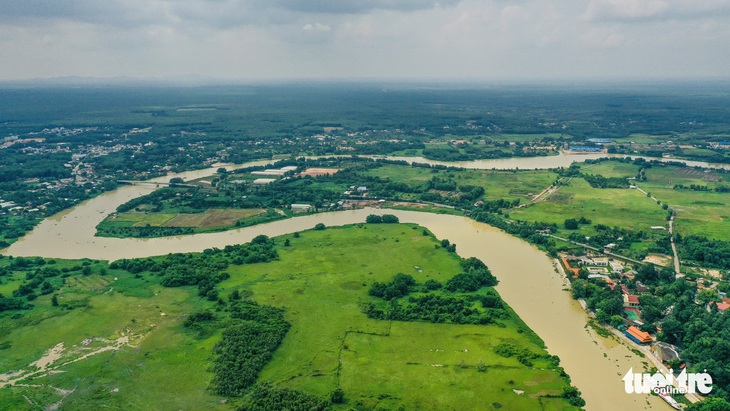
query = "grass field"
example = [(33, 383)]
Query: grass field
[(377, 362), (321, 280), (698, 212), (705, 213), (611, 169), (671, 175), (623, 208), (209, 218), (160, 368), (508, 185)]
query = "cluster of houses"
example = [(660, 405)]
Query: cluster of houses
[(599, 268)]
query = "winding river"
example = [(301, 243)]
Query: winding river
[(529, 282)]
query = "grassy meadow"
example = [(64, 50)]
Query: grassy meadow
[(321, 279), (161, 367), (624, 208), (497, 184), (704, 213)]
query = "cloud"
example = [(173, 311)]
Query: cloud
[(643, 10), (317, 27), (367, 38), (360, 6), (213, 13)]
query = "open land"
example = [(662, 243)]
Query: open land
[(331, 344)]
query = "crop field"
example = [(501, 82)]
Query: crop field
[(212, 218), (624, 208), (116, 332), (671, 175), (209, 218)]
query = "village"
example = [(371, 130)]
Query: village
[(612, 273)]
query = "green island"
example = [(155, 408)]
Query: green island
[(332, 330)]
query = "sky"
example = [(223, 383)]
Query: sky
[(383, 39)]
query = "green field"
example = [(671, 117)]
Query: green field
[(624, 208), (95, 310), (611, 169), (704, 213), (508, 185), (132, 223), (321, 279)]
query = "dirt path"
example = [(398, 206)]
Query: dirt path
[(544, 195), (52, 359)]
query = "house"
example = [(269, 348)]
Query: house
[(585, 149), (264, 181), (641, 288), (301, 207), (616, 267), (601, 261), (600, 276), (631, 300), (599, 140), (665, 352), (722, 306), (598, 270), (631, 274), (638, 336), (583, 260)]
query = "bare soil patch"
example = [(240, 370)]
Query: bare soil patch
[(213, 218), (314, 172)]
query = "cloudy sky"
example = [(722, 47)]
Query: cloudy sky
[(446, 39)]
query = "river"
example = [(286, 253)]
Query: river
[(529, 282), (536, 163)]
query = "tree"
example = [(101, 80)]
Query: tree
[(707, 296), (571, 224), (373, 219), (337, 396), (320, 226), (54, 300), (176, 180), (390, 219), (615, 321), (710, 404)]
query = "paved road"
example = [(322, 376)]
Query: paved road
[(677, 271)]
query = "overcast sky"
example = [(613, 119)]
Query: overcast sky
[(448, 39)]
